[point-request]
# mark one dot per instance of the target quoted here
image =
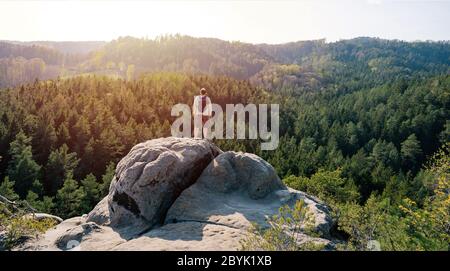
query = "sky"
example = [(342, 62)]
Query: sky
[(236, 20)]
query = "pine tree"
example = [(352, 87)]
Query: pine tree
[(86, 165), (385, 153), (106, 179), (81, 134), (63, 134), (37, 188), (69, 198), (60, 163), (107, 148), (411, 152), (91, 191), (45, 205), (7, 189), (44, 139), (22, 169), (33, 199)]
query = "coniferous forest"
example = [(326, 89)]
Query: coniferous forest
[(364, 123)]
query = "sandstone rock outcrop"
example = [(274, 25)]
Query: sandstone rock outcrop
[(181, 194), (149, 179), (237, 189)]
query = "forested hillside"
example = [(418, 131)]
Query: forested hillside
[(54, 130), (351, 64), (67, 47), (304, 65), (364, 125), (295, 67), (23, 63)]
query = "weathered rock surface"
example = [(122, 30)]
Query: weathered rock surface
[(237, 189), (149, 179), (181, 194)]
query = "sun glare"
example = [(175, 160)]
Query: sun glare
[(248, 21)]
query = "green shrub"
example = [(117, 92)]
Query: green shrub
[(286, 231)]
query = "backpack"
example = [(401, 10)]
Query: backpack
[(203, 103)]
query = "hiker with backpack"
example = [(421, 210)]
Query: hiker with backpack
[(202, 112)]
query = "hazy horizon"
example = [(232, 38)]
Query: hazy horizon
[(293, 41), (246, 21)]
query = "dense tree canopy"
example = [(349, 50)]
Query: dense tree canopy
[(360, 121)]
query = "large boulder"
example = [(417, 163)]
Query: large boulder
[(182, 194), (238, 189), (149, 179)]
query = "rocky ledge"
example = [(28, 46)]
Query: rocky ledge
[(181, 194)]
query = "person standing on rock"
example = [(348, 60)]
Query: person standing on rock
[(202, 112)]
